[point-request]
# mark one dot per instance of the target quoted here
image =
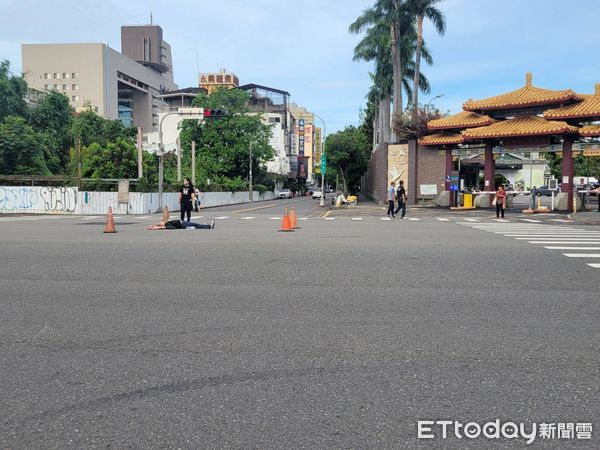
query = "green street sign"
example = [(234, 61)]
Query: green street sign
[(324, 163)]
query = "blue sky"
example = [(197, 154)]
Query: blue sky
[(304, 47)]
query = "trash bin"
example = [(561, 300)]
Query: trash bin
[(468, 200)]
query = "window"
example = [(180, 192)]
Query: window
[(47, 76), (47, 87), (75, 75), (75, 98), (66, 87), (75, 87), (65, 75), (56, 76), (57, 87)]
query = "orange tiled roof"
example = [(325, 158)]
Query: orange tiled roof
[(590, 130), (521, 98), (520, 126), (589, 107), (441, 139), (464, 119)]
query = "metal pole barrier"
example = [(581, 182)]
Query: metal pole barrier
[(250, 187), (194, 163)]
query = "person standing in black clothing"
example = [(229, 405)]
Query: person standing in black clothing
[(401, 196), (186, 198)]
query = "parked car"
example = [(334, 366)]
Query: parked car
[(545, 190), (284, 193), (317, 193)]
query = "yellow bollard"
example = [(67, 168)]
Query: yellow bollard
[(468, 200)]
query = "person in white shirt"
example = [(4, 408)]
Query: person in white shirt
[(391, 194)]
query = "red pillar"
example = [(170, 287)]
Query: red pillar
[(568, 171), (489, 171), (449, 169)]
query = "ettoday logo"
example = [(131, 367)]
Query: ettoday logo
[(430, 429)]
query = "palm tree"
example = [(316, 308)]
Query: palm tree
[(393, 15), (419, 10)]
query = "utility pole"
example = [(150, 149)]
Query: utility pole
[(194, 163), (250, 187), (79, 160), (322, 201), (140, 153)]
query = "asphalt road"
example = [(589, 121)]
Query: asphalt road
[(342, 334)]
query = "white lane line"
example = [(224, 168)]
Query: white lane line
[(329, 218), (90, 217), (276, 218), (573, 241), (503, 220), (357, 218), (531, 220), (545, 235), (413, 218), (572, 248), (222, 218), (302, 218), (442, 219), (248, 218), (562, 220), (582, 255), (594, 265), (472, 220), (385, 218)]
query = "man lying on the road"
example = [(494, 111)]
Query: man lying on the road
[(182, 225)]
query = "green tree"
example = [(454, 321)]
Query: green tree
[(13, 90), (52, 119), (348, 151), (21, 148), (222, 145), (420, 10)]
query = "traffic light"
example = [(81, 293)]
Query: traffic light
[(214, 113)]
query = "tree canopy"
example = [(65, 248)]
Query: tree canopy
[(348, 151)]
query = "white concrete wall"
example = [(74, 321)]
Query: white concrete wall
[(69, 200)]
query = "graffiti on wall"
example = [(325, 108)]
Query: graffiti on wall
[(38, 199)]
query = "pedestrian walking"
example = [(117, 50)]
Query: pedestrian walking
[(500, 201), (197, 201), (186, 198), (390, 198), (401, 197)]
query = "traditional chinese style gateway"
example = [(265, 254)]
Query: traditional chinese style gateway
[(528, 118)]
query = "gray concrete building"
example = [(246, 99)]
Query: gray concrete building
[(125, 86)]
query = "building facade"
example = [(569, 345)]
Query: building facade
[(113, 84)]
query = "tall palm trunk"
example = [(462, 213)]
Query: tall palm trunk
[(386, 122), (415, 99)]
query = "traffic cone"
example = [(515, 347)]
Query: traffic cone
[(293, 219), (285, 222), (165, 217), (110, 223)]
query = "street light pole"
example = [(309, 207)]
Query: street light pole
[(250, 187), (322, 201), (429, 102)]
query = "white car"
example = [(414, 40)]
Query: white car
[(284, 193), (317, 193)]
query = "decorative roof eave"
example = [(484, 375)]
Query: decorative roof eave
[(442, 139), (590, 131), (525, 97), (464, 119), (520, 127), (588, 108)]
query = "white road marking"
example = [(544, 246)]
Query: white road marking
[(302, 218), (276, 218), (532, 220), (544, 235), (573, 248), (594, 265), (248, 218), (582, 255), (357, 218), (222, 218), (385, 218), (503, 220), (472, 220), (147, 217), (197, 217), (90, 217), (573, 241), (443, 219), (562, 220), (413, 218), (329, 218)]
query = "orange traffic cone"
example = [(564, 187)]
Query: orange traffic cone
[(165, 217), (293, 219), (110, 223), (285, 223)]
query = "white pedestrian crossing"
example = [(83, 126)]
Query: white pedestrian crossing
[(221, 217), (414, 219), (385, 218), (472, 220), (443, 219), (248, 218), (572, 241), (357, 218)]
